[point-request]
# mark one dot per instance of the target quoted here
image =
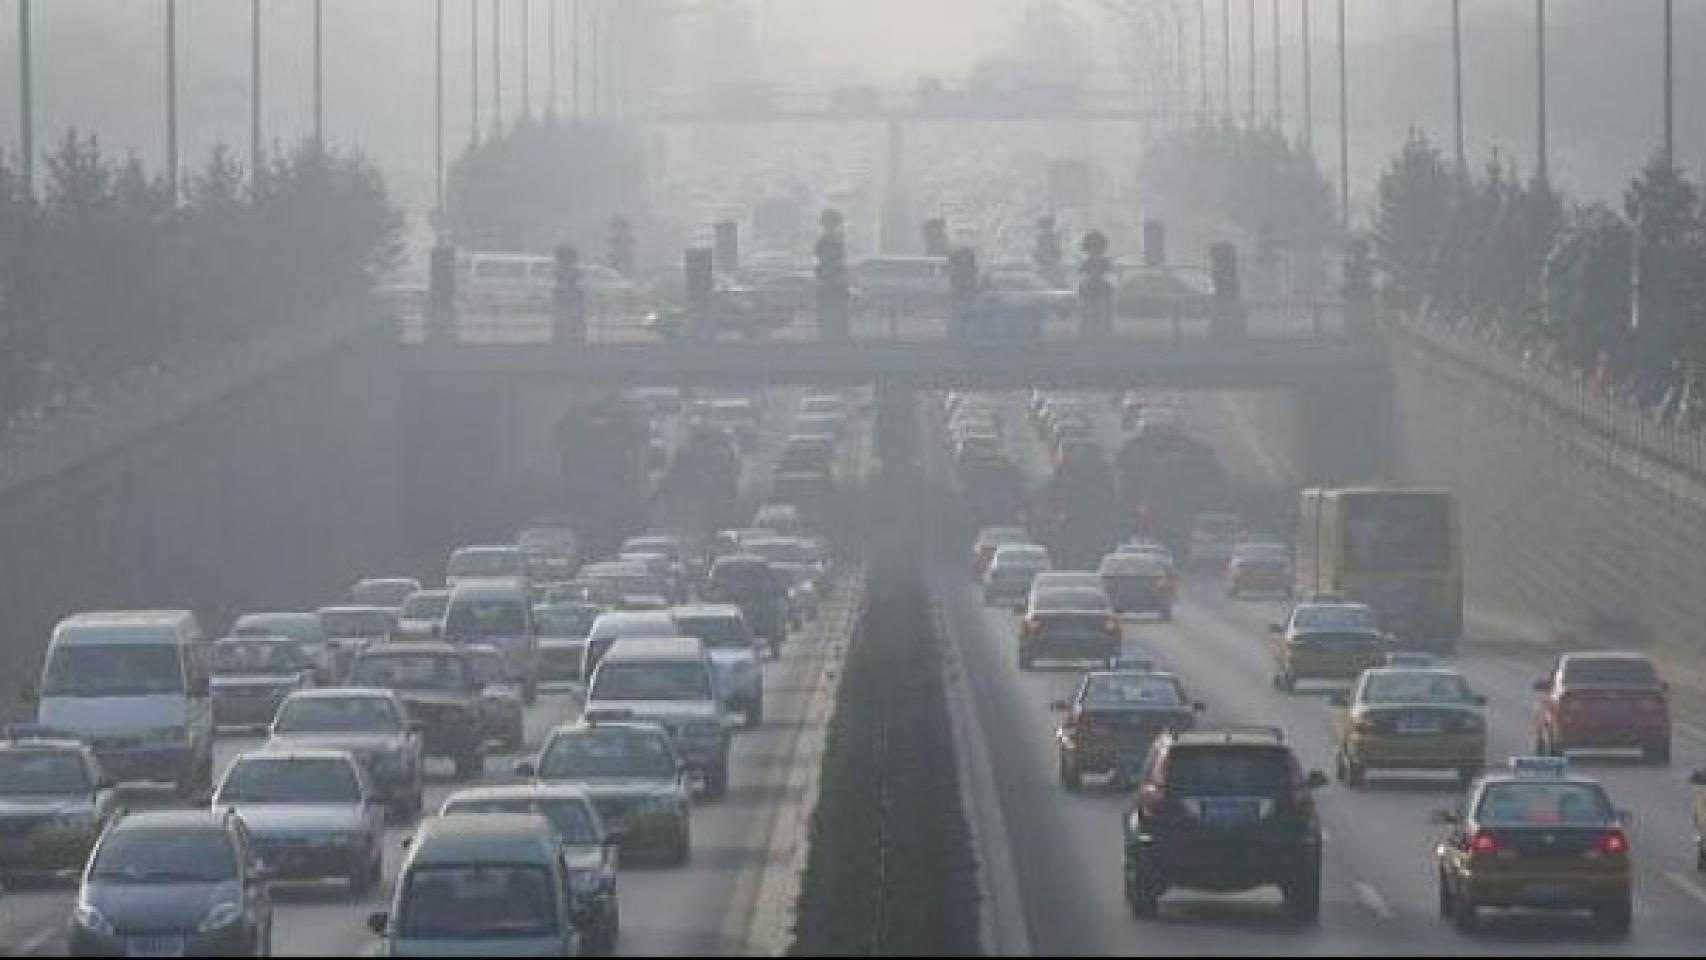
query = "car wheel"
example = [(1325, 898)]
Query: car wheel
[(1615, 919), (1303, 896), (1464, 913), (1445, 905), (755, 713), (1142, 889), (717, 781), (1070, 776)]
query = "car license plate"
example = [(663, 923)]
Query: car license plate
[(1228, 813), (155, 945), (1419, 725), (1546, 892)]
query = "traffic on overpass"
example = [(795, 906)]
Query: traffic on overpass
[(957, 477)]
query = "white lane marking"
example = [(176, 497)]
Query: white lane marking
[(1688, 885), (1372, 899), (30, 947)]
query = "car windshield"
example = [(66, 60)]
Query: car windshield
[(651, 681), (1071, 599), (358, 623), (257, 657), (417, 671), (257, 779), (1132, 690), (570, 818), (486, 618), (718, 630), (478, 902), (113, 670), (1227, 771), (1518, 804), (42, 771), (425, 606), (1612, 671), (487, 563), (1346, 619), (1415, 687), (565, 621), (186, 855), (595, 754), (337, 715)]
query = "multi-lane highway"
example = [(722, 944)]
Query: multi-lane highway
[(1060, 854), (733, 897)]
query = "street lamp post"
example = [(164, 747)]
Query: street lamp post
[(1250, 25), (1344, 128), (319, 75), (255, 90), (497, 69), (1308, 81), (1279, 87), (438, 106), (1541, 172), (1457, 81), (551, 57), (1226, 54), (474, 71), (172, 98), (1670, 90), (526, 58), (26, 97), (1202, 59)]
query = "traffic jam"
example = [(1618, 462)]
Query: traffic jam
[(474, 766), (1366, 585)]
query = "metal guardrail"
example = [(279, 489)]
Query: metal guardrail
[(1621, 424), (102, 417)]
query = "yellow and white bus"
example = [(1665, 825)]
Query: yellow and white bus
[(1398, 550)]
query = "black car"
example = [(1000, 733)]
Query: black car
[(1111, 723), (173, 883), (747, 581), (54, 803), (1224, 809), (442, 692)]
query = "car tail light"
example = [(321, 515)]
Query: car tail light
[(1483, 843), (1614, 842), (1152, 800)]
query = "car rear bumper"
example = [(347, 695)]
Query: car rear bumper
[(1238, 862), (1551, 889), (1092, 647), (1613, 736), (1395, 752)]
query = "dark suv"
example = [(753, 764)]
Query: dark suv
[(749, 582), (1224, 809)]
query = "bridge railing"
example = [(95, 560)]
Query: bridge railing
[(1621, 424), (38, 444), (1177, 322)]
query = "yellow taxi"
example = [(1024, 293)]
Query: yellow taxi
[(1409, 718), (1326, 641), (1538, 837)]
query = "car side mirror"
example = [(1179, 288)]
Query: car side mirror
[(525, 768), (1445, 818), (1316, 780), (1480, 699), (377, 922), (1199, 706), (1058, 706), (1338, 700), (1542, 686), (1698, 778)]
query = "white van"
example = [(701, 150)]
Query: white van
[(134, 684)]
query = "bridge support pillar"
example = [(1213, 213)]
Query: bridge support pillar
[(1345, 428)]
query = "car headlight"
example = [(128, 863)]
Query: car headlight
[(90, 919), (223, 915)]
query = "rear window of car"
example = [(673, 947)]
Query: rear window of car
[(1132, 690), (1072, 599), (1422, 686), (1543, 803), (1335, 618), (1222, 771), (1619, 671)]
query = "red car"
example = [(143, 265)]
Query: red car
[(1603, 700)]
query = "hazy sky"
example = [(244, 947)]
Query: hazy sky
[(99, 66)]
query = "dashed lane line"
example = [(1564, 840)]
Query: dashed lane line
[(1688, 885), (1372, 899)]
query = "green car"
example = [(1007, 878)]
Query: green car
[(481, 884)]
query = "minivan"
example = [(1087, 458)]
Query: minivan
[(135, 685), (498, 612), (481, 884)]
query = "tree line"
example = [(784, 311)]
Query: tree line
[(104, 270), (1616, 296)]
